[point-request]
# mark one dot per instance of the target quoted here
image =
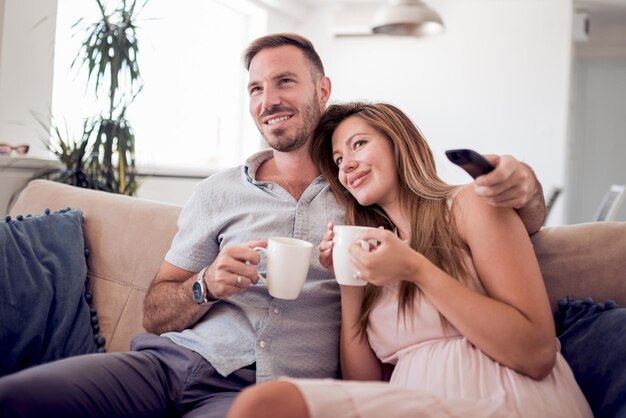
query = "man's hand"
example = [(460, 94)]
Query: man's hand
[(513, 184), (232, 272), (168, 306)]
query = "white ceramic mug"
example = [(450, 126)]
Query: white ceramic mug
[(287, 265), (344, 237)]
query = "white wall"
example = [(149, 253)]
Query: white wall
[(26, 62), (497, 80)]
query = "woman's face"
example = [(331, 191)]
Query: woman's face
[(366, 162)]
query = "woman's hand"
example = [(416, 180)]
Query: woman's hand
[(391, 261), (326, 247)]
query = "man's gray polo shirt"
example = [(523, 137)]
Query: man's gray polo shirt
[(298, 338)]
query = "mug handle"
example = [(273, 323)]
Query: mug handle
[(264, 251), (368, 245)]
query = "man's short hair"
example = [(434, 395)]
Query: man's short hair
[(281, 39)]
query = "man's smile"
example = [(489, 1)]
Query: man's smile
[(275, 120)]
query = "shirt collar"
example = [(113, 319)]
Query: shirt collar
[(253, 163)]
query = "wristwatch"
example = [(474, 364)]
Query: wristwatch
[(199, 290)]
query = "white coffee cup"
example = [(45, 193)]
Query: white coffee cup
[(344, 237), (287, 264)]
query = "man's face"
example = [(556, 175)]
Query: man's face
[(285, 102)]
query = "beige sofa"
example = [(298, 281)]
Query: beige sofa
[(128, 238)]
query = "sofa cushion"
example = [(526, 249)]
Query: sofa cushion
[(593, 341), (43, 312), (127, 238)]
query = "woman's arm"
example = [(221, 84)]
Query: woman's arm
[(512, 323), (358, 361)]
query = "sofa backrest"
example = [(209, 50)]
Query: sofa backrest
[(127, 238), (583, 261)]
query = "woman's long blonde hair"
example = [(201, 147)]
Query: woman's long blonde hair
[(423, 195)]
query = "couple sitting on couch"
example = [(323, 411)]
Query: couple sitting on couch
[(456, 299)]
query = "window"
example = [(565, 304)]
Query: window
[(192, 112)]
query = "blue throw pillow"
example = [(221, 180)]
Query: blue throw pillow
[(43, 312), (593, 341)]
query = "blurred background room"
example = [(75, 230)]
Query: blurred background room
[(542, 80)]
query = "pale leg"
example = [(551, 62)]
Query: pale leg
[(270, 400)]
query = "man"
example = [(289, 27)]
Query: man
[(220, 330)]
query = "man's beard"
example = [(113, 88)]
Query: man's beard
[(310, 117)]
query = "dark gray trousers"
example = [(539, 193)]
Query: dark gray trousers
[(156, 379)]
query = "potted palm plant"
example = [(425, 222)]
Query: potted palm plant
[(109, 54), (103, 158)]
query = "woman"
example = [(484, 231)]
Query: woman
[(455, 298)]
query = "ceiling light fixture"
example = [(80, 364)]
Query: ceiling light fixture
[(407, 18)]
